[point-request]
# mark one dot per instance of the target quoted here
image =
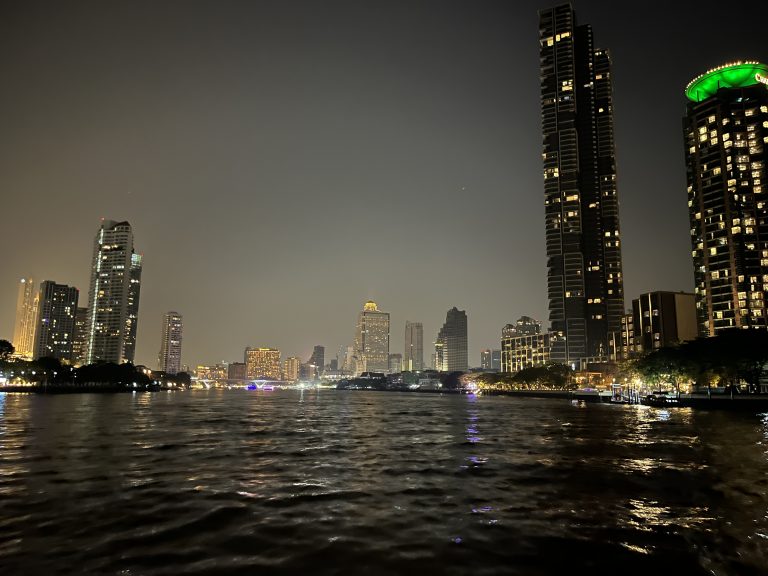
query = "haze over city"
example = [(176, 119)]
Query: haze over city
[(283, 162)]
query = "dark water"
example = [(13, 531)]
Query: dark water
[(236, 482)]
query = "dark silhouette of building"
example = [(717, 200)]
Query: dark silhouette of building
[(584, 279)]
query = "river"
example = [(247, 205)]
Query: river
[(369, 483)]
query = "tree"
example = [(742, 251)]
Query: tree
[(6, 349)]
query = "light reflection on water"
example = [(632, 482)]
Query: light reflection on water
[(343, 482)]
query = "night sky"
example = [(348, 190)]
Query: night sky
[(283, 162)]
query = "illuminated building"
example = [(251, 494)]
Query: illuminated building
[(662, 319), (726, 137), (169, 359), (217, 372), (372, 340), (80, 338), (525, 326), (292, 368), (584, 279), (55, 330), (413, 359), (26, 316), (527, 351), (113, 297), (395, 363), (262, 363), (451, 344)]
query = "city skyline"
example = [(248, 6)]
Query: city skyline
[(464, 112)]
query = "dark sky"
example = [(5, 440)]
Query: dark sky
[(282, 162)]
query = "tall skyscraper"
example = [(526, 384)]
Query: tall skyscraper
[(80, 339), (113, 297), (56, 308), (372, 340), (413, 359), (726, 138), (451, 344), (262, 363), (584, 279), (26, 318), (169, 359)]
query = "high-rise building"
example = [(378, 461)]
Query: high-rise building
[(262, 363), (413, 359), (584, 279), (726, 138), (525, 326), (80, 339), (55, 331), (113, 297), (395, 363), (527, 351), (451, 344), (372, 340), (26, 318), (318, 359), (622, 343), (663, 318), (169, 359)]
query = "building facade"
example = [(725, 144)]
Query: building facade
[(662, 319), (372, 340), (113, 297), (80, 338), (583, 243), (527, 351), (169, 359), (262, 363), (318, 360), (726, 138), (413, 358), (236, 371), (55, 330), (490, 360), (26, 319), (292, 368), (622, 343), (451, 345), (395, 363)]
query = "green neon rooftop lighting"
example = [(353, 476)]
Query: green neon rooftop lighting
[(734, 75)]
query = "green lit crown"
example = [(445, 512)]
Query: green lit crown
[(734, 75)]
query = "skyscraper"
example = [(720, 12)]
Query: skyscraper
[(26, 317), (451, 344), (584, 279), (413, 359), (56, 309), (169, 359), (372, 340), (726, 138), (113, 297)]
